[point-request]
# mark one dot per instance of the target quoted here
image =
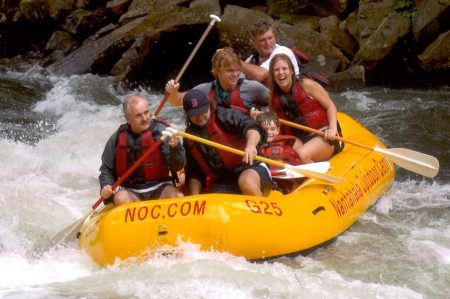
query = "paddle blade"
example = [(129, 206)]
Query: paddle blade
[(68, 234), (419, 163), (315, 175), (321, 167)]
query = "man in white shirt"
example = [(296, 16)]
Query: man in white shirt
[(256, 67)]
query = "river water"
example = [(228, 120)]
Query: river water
[(52, 133)]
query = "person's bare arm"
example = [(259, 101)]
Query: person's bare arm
[(254, 72), (316, 91), (175, 97), (253, 138)]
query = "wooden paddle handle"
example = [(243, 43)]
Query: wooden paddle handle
[(188, 61)]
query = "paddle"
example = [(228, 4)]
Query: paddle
[(419, 163), (188, 61), (300, 168), (287, 174), (71, 231)]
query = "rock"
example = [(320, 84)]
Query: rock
[(234, 32), (118, 7), (369, 16), (61, 40), (147, 41), (279, 8), (82, 59), (102, 32), (380, 43), (326, 56), (305, 22), (329, 28), (186, 25), (352, 78), (437, 54), (351, 25), (83, 23), (41, 9), (426, 20), (132, 15), (83, 3), (125, 66)]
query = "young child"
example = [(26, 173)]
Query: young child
[(283, 148)]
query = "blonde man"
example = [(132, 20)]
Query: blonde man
[(228, 89)]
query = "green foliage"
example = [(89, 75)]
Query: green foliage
[(405, 7), (444, 2)]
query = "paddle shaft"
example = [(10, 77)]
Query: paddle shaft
[(321, 133), (130, 170), (188, 61), (308, 173), (71, 231), (414, 161)]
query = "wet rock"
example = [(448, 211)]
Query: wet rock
[(437, 54), (118, 7), (234, 32), (329, 28), (83, 23), (82, 60), (147, 41), (125, 67), (61, 40), (352, 78), (41, 9), (429, 18), (323, 8), (381, 41), (370, 15)]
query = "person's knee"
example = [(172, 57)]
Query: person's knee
[(305, 155), (122, 197), (249, 183), (171, 192), (248, 178)]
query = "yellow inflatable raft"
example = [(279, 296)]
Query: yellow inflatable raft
[(253, 227)]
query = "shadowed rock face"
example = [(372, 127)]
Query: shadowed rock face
[(146, 42)]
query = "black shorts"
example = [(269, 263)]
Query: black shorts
[(153, 194), (338, 145), (230, 184)]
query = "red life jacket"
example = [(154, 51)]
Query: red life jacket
[(304, 110), (129, 150), (281, 148), (234, 100), (218, 135)]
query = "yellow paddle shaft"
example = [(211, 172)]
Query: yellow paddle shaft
[(308, 173), (320, 133)]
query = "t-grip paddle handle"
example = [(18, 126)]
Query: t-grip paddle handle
[(188, 61)]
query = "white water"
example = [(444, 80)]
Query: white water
[(399, 249)]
